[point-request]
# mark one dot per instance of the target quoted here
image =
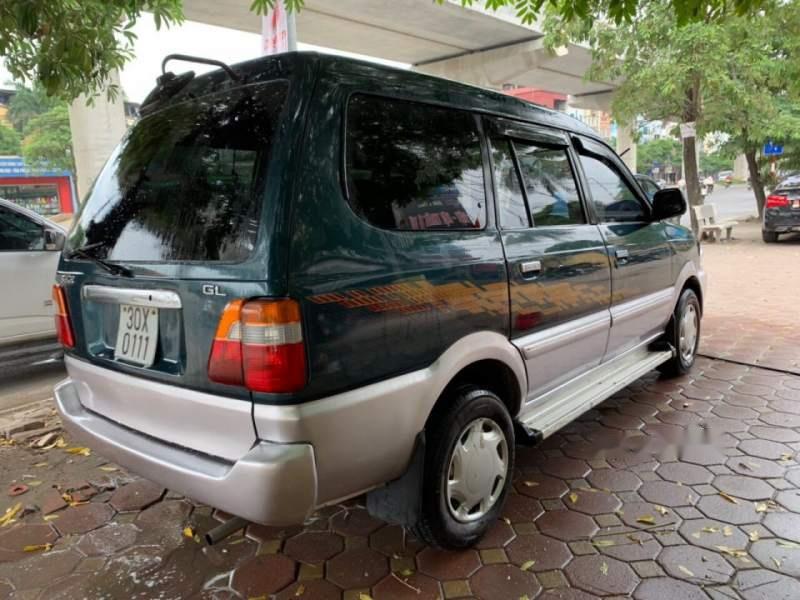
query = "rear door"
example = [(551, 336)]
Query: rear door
[(642, 291), (28, 271), (557, 263)]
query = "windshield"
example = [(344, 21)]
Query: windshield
[(186, 183)]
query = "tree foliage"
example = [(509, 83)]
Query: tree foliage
[(9, 140), (29, 102), (659, 152), (48, 140)]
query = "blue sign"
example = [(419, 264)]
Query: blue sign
[(14, 166), (771, 149)]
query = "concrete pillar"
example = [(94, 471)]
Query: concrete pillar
[(624, 141), (96, 130), (740, 170)]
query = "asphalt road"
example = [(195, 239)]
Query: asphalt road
[(22, 386), (733, 203)]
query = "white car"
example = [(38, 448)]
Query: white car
[(30, 247)]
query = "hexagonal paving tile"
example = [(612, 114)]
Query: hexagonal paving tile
[(683, 562), (355, 522), (707, 533), (766, 585), (567, 525), (27, 534), (80, 519), (357, 568), (541, 487), (771, 554), (263, 575), (781, 419), (313, 546), (601, 575), (546, 552), (755, 467), (748, 488), (765, 449), (685, 473), (593, 501), (785, 525), (108, 539), (631, 512), (391, 540), (498, 536), (775, 434), (667, 493), (136, 496), (702, 454), (35, 570), (789, 499), (629, 547), (662, 588), (717, 507), (501, 582), (413, 587), (521, 509), (614, 480), (564, 468), (315, 589), (445, 565)]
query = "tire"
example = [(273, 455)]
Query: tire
[(679, 333), (769, 237), (469, 410)]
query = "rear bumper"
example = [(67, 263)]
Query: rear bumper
[(781, 222), (274, 484)]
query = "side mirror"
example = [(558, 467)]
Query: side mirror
[(54, 240), (668, 203)]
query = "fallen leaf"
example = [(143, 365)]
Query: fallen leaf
[(363, 596), (34, 482), (530, 483), (604, 568), (573, 497), (786, 456), (729, 498), (10, 513), (37, 548), (66, 497), (49, 517), (40, 465), (685, 571), (745, 466), (761, 507), (696, 535), (710, 529), (262, 597), (188, 532), (727, 531), (527, 565), (506, 520), (735, 553), (776, 561), (602, 543), (646, 519), (82, 450), (661, 510), (78, 503), (753, 535), (301, 589), (524, 597), (788, 544), (108, 469), (406, 572)]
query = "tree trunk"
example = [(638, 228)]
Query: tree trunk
[(755, 179), (692, 179)]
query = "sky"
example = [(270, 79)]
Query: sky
[(230, 46)]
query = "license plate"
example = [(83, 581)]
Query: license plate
[(137, 335)]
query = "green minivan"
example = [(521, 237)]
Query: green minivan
[(304, 278)]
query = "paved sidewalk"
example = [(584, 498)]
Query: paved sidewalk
[(677, 489)]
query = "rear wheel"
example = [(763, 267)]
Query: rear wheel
[(469, 463), (683, 333), (769, 237)]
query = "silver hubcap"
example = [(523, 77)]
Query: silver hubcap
[(688, 333), (478, 470)]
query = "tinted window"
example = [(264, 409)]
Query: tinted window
[(614, 200), (413, 166), (510, 201), (18, 232), (549, 185), (649, 187), (187, 183)]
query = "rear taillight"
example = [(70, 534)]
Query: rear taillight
[(259, 344), (775, 201), (63, 325)]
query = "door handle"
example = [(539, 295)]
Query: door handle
[(622, 255), (530, 267)]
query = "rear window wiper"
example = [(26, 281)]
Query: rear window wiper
[(113, 268)]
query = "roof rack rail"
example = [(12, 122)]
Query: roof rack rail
[(199, 59)]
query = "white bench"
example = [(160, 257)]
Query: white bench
[(709, 225)]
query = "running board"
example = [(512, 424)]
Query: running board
[(550, 412)]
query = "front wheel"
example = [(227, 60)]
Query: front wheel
[(683, 333), (769, 237), (469, 463)]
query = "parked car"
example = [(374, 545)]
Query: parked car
[(649, 185), (305, 277), (782, 210), (29, 251)]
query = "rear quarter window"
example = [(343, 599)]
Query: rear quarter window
[(412, 166)]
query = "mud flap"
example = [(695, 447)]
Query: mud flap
[(399, 501)]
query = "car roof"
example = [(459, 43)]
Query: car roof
[(33, 215), (790, 182)]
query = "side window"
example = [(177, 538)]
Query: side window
[(412, 166), (19, 233), (614, 201), (549, 185), (509, 198)]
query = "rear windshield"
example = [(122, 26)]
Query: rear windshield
[(186, 183)]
